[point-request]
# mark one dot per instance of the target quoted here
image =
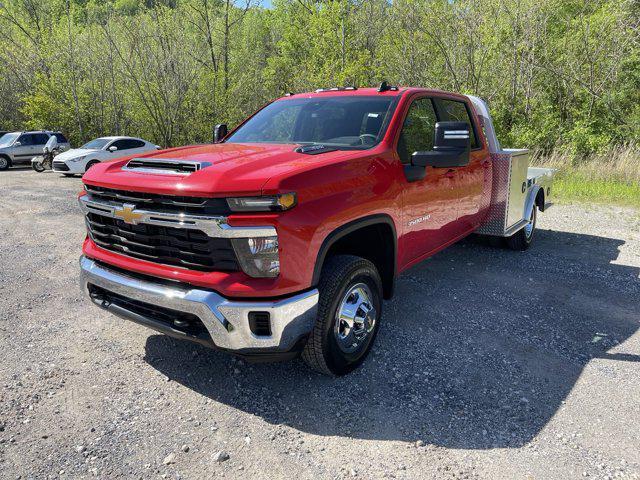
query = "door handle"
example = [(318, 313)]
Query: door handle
[(450, 173)]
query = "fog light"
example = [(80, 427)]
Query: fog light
[(258, 257)]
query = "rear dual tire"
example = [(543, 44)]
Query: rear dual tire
[(349, 311), (522, 239)]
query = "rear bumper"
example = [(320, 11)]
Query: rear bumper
[(226, 322)]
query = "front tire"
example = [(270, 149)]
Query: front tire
[(38, 167), (5, 163), (349, 312), (91, 164), (522, 239)]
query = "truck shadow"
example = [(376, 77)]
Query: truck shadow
[(478, 350)]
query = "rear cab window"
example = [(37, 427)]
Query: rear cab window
[(458, 111)]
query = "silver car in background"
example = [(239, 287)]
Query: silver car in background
[(18, 148)]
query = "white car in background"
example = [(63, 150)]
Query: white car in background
[(78, 160)]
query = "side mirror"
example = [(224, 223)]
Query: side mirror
[(17, 144), (112, 148), (219, 132), (451, 146), (45, 149)]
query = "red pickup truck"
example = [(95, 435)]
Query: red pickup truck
[(284, 236)]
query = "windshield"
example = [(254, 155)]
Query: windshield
[(7, 139), (349, 122), (96, 144)]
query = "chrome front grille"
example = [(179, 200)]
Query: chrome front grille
[(169, 230)]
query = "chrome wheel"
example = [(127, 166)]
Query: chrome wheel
[(4, 164), (531, 224), (355, 319)]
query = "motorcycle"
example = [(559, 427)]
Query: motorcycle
[(45, 161)]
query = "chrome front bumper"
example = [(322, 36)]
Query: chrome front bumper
[(227, 321)]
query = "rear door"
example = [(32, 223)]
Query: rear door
[(429, 210), (470, 179)]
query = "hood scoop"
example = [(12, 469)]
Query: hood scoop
[(166, 166)]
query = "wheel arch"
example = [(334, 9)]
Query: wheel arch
[(380, 247), (535, 198)]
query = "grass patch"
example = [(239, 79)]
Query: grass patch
[(611, 177), (580, 188)]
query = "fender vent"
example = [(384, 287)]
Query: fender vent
[(166, 166)]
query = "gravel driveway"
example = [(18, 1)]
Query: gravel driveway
[(489, 364)]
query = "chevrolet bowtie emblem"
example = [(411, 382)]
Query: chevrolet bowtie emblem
[(128, 214)]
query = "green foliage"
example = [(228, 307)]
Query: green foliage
[(577, 188), (558, 74)]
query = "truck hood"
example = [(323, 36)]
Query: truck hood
[(227, 168)]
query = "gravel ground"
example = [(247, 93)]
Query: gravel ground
[(489, 364)]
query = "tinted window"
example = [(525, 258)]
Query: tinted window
[(120, 144), (418, 129), (135, 143), (40, 138), (26, 139), (127, 144), (457, 112), (348, 121), (60, 137)]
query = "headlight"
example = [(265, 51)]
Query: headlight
[(273, 203), (258, 257), (77, 159)]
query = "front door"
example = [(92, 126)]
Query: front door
[(26, 150), (430, 203)]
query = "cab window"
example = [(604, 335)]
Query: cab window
[(455, 111), (418, 129)]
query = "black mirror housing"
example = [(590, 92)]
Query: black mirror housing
[(451, 147), (219, 132)]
